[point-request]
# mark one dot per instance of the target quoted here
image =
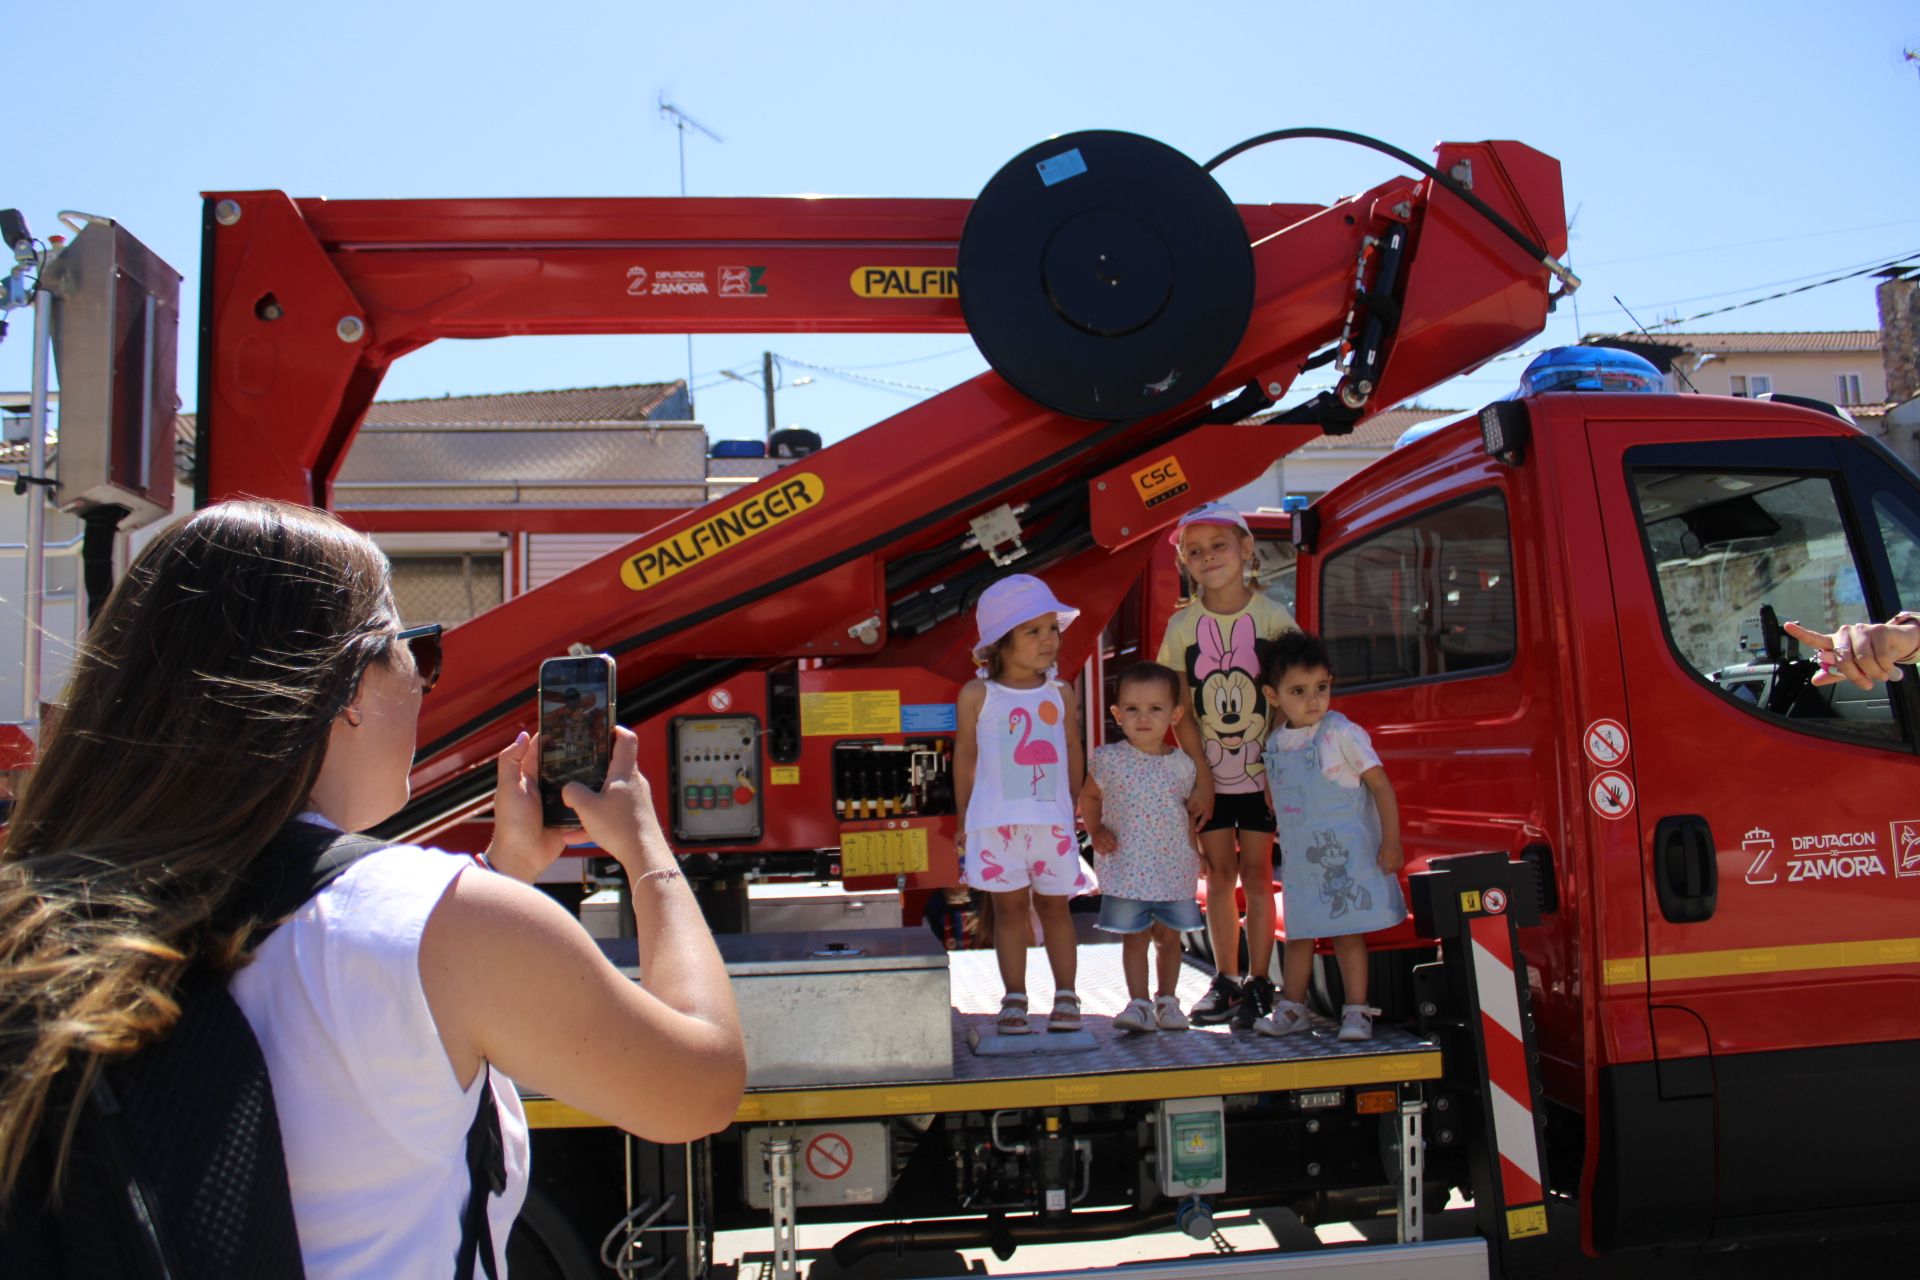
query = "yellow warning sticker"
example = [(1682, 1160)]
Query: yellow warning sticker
[(905, 282), (884, 853), (865, 711), (1470, 900), (749, 518), (784, 775), (1163, 481), (1529, 1221)]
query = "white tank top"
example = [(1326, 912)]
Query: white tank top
[(1020, 775), (372, 1118)]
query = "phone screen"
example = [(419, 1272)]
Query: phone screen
[(576, 730)]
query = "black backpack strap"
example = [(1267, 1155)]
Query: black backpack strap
[(486, 1175), (139, 1239), (302, 859)]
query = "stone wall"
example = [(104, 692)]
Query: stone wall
[(1900, 337)]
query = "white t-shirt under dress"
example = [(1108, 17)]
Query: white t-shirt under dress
[(372, 1118)]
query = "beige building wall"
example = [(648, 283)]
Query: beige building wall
[(1802, 373)]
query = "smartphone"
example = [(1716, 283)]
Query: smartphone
[(576, 730)]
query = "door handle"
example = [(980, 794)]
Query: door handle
[(1686, 872)]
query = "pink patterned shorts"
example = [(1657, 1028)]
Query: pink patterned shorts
[(1025, 854)]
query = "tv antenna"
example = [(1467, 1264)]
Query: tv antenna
[(682, 125)]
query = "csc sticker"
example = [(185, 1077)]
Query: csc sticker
[(660, 561), (905, 282), (1162, 482)]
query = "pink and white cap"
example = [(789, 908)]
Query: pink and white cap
[(1011, 601), (1209, 513)]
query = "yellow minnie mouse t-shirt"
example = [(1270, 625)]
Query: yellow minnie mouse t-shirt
[(1221, 655)]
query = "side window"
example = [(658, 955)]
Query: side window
[(1429, 598), (1276, 557), (1734, 554), (1900, 534)]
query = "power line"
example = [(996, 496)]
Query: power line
[(889, 364), (1905, 259), (883, 383)]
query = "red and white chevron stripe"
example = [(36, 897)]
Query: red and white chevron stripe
[(1500, 1030)]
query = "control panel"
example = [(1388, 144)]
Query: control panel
[(911, 779), (716, 778)]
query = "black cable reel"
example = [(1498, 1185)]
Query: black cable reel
[(1105, 275)]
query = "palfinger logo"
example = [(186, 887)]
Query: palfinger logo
[(749, 518), (905, 282)]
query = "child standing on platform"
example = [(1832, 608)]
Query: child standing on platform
[(1340, 829), (1135, 808), (1217, 644), (1018, 766)]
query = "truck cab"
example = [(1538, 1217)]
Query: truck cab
[(1561, 626)]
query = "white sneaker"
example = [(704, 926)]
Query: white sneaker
[(1137, 1016), (1288, 1018), (1356, 1021), (1166, 1010)]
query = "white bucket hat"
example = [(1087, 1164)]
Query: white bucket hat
[(1011, 601), (1209, 513)]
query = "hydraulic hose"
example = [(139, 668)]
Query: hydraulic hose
[(1568, 280)]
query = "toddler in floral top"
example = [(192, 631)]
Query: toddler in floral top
[(1135, 809)]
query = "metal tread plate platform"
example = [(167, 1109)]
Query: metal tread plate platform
[(1126, 1067)]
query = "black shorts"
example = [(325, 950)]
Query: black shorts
[(1243, 811)]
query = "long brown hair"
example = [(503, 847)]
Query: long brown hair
[(193, 727)]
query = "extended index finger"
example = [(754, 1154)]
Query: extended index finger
[(1818, 639)]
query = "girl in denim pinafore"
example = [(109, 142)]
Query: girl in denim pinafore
[(1339, 828)]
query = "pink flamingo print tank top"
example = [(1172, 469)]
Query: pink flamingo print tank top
[(1021, 776)]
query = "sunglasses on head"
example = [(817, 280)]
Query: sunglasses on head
[(424, 644)]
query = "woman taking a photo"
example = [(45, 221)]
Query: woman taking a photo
[(248, 673)]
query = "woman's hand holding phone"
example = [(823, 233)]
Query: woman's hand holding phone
[(523, 845), (620, 817)]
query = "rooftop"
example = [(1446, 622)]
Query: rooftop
[(635, 402), (1748, 343)]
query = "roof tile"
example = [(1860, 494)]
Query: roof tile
[(1750, 343)]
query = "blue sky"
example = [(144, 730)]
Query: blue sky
[(1714, 151)]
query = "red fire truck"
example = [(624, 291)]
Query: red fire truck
[(1637, 837)]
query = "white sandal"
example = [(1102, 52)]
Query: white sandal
[(1012, 1020), (1066, 1011), (1137, 1016)]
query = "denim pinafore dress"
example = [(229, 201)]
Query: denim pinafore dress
[(1331, 881)]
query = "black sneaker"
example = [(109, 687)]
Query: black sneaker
[(1217, 1006), (1256, 1002)]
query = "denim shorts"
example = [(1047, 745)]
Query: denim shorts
[(1124, 915)]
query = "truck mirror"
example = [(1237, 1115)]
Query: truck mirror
[(1505, 429), (1304, 528)]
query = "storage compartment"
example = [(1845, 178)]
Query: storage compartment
[(841, 1006), (816, 908)]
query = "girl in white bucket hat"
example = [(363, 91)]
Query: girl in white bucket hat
[(1018, 769)]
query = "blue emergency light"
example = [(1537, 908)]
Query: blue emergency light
[(1590, 369)]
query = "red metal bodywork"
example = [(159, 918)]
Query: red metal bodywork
[(1493, 760), (360, 283)]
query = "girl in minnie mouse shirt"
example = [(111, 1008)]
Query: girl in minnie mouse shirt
[(1218, 643)]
